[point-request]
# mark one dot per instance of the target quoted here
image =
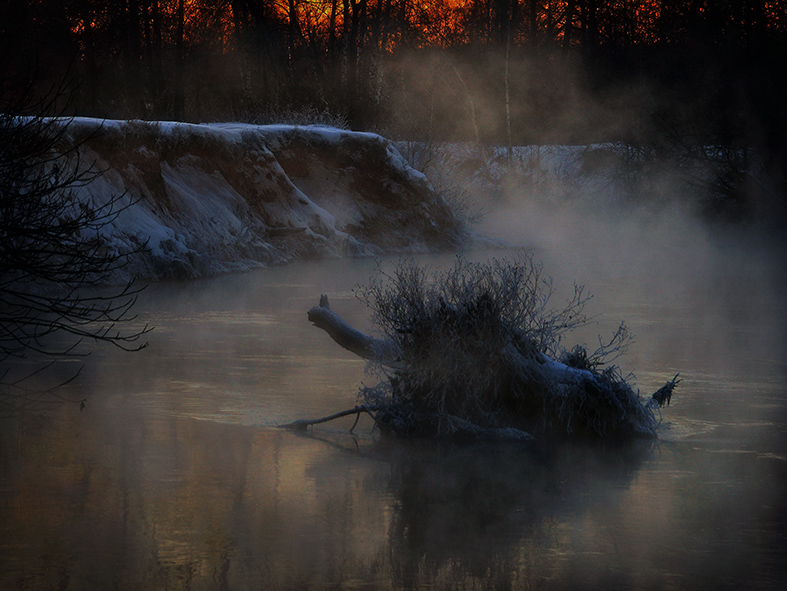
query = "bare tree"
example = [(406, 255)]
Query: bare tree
[(55, 254)]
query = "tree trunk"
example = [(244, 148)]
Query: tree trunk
[(132, 41), (179, 96), (332, 31), (568, 25), (348, 337), (387, 353), (345, 59), (294, 34)]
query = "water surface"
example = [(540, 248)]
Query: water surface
[(175, 477)]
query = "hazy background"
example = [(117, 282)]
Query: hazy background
[(667, 77)]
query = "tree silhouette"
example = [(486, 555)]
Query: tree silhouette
[(55, 255)]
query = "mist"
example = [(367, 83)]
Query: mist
[(645, 163), (180, 477), (178, 464), (178, 467)]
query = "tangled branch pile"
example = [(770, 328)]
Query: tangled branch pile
[(478, 351)]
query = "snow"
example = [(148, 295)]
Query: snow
[(203, 199)]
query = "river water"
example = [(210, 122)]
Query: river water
[(175, 477)]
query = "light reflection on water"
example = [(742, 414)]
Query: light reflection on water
[(174, 477)]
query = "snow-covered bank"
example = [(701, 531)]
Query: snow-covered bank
[(208, 199)]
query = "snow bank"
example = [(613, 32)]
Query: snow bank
[(209, 199)]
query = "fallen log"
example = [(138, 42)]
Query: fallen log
[(350, 338), (386, 353), (475, 351)]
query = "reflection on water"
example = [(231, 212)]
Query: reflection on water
[(498, 514), (175, 478)]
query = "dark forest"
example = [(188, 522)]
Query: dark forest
[(647, 72)]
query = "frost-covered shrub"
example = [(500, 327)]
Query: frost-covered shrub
[(477, 349)]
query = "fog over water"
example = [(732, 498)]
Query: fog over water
[(175, 477)]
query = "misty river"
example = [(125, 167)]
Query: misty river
[(175, 477)]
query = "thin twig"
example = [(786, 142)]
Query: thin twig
[(301, 424)]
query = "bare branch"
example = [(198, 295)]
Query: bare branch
[(302, 424), (56, 249)]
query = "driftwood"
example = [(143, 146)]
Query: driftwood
[(385, 352), (348, 337), (562, 397)]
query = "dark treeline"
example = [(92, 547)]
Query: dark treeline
[(522, 71), (201, 59)]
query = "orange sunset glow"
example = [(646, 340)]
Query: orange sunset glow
[(367, 59), (388, 24)]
